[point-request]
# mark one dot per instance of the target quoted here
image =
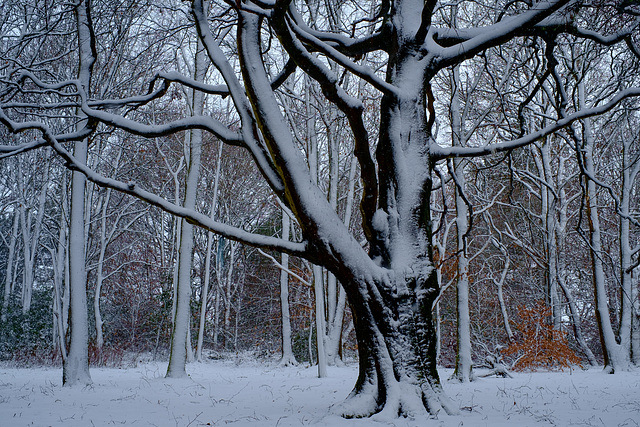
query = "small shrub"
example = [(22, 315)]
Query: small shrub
[(539, 345)]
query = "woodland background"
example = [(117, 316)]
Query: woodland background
[(522, 222)]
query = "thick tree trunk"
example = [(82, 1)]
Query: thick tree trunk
[(392, 312), (391, 298), (397, 352)]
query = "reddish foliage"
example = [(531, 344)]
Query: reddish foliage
[(539, 345)]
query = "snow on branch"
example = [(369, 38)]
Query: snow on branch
[(303, 33), (346, 45), (238, 95), (283, 268), (438, 152), (191, 216), (349, 105), (150, 131), (607, 40), (459, 44)]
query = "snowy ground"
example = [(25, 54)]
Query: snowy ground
[(253, 394)]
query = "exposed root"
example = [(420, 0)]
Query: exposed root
[(288, 361), (435, 399), (357, 405), (405, 399)]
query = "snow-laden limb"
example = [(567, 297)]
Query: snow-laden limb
[(196, 218), (249, 132), (151, 131), (481, 39), (349, 46), (565, 25), (301, 31), (174, 76), (12, 150), (136, 100), (349, 105), (48, 88), (438, 152), (285, 269), (456, 44), (203, 122)]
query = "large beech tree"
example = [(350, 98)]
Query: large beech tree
[(395, 47)]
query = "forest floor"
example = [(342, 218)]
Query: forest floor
[(253, 393)]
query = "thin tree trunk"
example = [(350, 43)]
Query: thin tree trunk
[(549, 204), (500, 285), (614, 357), (577, 324), (318, 289), (204, 294), (75, 370), (59, 261), (312, 158), (30, 235), (229, 293), (181, 349), (287, 350), (9, 276), (628, 291), (99, 274), (463, 371)]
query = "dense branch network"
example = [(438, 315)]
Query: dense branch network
[(379, 68)]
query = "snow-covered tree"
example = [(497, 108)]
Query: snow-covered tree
[(389, 279)]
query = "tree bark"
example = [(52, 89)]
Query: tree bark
[(287, 350), (464, 364), (204, 294), (75, 369), (181, 349), (614, 356), (8, 280)]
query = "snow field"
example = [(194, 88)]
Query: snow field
[(252, 394)]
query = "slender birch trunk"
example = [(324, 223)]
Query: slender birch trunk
[(628, 291), (463, 370), (99, 272), (287, 350), (549, 206), (318, 285), (180, 342), (614, 356), (75, 370), (9, 276), (58, 256), (204, 294)]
